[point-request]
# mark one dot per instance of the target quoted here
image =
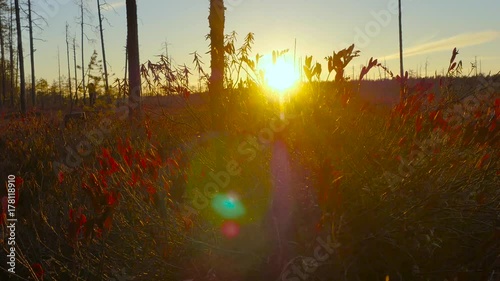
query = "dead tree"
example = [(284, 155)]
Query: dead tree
[(76, 73), (401, 69), (106, 82), (20, 57), (69, 68), (82, 27), (11, 54), (133, 60), (2, 46), (32, 56), (216, 21)]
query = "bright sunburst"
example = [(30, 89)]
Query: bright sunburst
[(281, 75)]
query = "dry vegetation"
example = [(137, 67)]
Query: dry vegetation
[(410, 192)]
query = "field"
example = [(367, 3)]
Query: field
[(328, 182)]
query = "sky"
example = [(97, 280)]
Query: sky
[(431, 29)]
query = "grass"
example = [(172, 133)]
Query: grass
[(401, 191)]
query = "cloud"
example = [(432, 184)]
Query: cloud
[(446, 44), (115, 5)]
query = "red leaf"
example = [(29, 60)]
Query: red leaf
[(60, 176), (71, 214), (106, 153), (112, 198), (493, 126), (431, 97), (83, 219), (418, 124), (85, 186), (19, 181), (482, 161), (98, 232), (38, 269), (143, 163), (108, 222), (114, 166), (151, 190)]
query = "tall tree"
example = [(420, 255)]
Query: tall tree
[(216, 20), (401, 69), (133, 60), (82, 19), (76, 73), (106, 82), (20, 57), (59, 73), (69, 67), (11, 53), (32, 55), (2, 51)]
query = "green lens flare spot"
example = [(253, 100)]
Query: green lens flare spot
[(228, 206)]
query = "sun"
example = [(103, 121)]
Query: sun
[(280, 75)]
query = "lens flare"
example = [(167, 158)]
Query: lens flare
[(230, 229), (228, 206)]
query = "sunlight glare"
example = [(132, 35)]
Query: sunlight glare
[(280, 76)]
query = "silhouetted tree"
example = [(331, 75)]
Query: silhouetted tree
[(2, 51), (104, 63), (76, 73), (401, 69), (21, 58), (133, 60), (32, 55), (11, 53), (69, 67), (216, 20), (82, 25)]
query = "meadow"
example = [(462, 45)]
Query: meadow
[(320, 181)]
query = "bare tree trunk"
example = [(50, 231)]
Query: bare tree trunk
[(11, 49), (21, 58), (4, 86), (104, 63), (401, 69), (84, 89), (32, 57), (76, 73), (126, 71), (59, 73), (216, 21), (69, 69), (133, 59)]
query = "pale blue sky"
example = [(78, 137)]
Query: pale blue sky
[(431, 30)]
